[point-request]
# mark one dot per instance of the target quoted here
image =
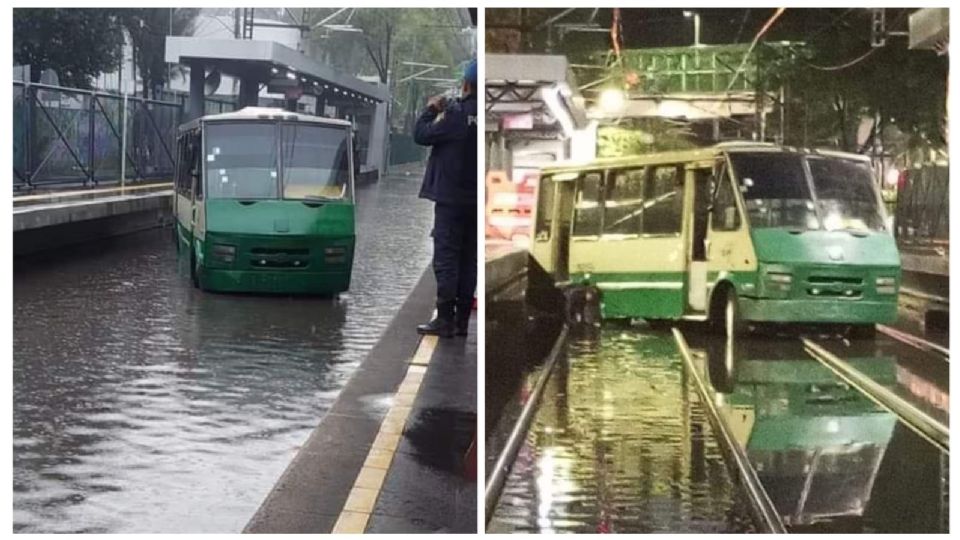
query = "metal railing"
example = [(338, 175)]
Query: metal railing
[(69, 136), (923, 207)]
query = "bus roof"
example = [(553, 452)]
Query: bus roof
[(694, 154), (265, 113)]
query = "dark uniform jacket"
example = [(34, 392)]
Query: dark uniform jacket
[(451, 176)]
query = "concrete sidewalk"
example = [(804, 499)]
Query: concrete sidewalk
[(389, 455)]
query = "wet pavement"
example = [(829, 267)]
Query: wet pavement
[(428, 488), (144, 405)]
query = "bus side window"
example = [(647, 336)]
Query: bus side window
[(197, 164), (623, 204), (588, 212), (545, 207), (725, 216), (183, 166), (664, 200)]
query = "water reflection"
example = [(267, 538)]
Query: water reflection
[(144, 405), (819, 446), (619, 446)]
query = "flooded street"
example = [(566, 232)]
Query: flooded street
[(622, 443), (144, 405)]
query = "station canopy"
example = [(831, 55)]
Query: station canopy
[(272, 63), (530, 91)]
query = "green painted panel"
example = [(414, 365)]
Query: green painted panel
[(813, 247), (280, 217), (658, 295)]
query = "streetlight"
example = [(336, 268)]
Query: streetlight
[(612, 100), (696, 26)]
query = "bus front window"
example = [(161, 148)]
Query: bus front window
[(846, 195), (316, 163), (241, 160), (775, 190)]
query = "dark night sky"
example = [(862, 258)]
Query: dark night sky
[(663, 27)]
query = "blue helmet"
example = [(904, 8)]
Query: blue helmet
[(470, 72)]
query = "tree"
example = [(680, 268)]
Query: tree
[(148, 29), (387, 37), (78, 44)]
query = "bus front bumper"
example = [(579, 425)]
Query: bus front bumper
[(819, 311), (275, 281)]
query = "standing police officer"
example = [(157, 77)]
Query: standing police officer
[(450, 181)]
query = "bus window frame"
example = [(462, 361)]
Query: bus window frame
[(276, 139), (680, 169), (734, 183), (602, 173)]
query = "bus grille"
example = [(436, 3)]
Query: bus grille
[(824, 286), (279, 257)]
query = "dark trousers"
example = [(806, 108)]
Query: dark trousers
[(455, 253)]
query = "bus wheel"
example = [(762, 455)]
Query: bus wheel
[(583, 306), (721, 366), (733, 324), (863, 331)]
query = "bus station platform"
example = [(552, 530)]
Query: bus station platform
[(395, 453), (61, 218)]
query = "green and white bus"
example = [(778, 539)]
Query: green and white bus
[(733, 233), (264, 202)]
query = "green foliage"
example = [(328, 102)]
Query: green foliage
[(78, 44), (148, 29), (642, 136), (389, 37)]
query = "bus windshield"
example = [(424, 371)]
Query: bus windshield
[(241, 160), (316, 162), (775, 190), (846, 194)]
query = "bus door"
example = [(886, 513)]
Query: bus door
[(554, 209), (728, 246), (187, 152), (701, 188)]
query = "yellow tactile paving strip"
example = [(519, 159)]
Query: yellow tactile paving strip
[(366, 487)]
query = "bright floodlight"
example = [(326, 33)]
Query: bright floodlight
[(687, 14), (612, 100)]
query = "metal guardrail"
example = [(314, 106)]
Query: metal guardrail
[(921, 423), (65, 136), (501, 470), (763, 508)]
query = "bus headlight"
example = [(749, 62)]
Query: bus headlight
[(224, 253), (335, 255), (886, 285), (778, 277)]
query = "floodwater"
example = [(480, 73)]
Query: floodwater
[(144, 405), (620, 442), (831, 459)]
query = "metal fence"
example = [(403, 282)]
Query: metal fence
[(72, 136), (923, 208)]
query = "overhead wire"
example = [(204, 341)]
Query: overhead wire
[(753, 44)]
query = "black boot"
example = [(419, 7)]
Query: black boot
[(462, 319), (442, 325)]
